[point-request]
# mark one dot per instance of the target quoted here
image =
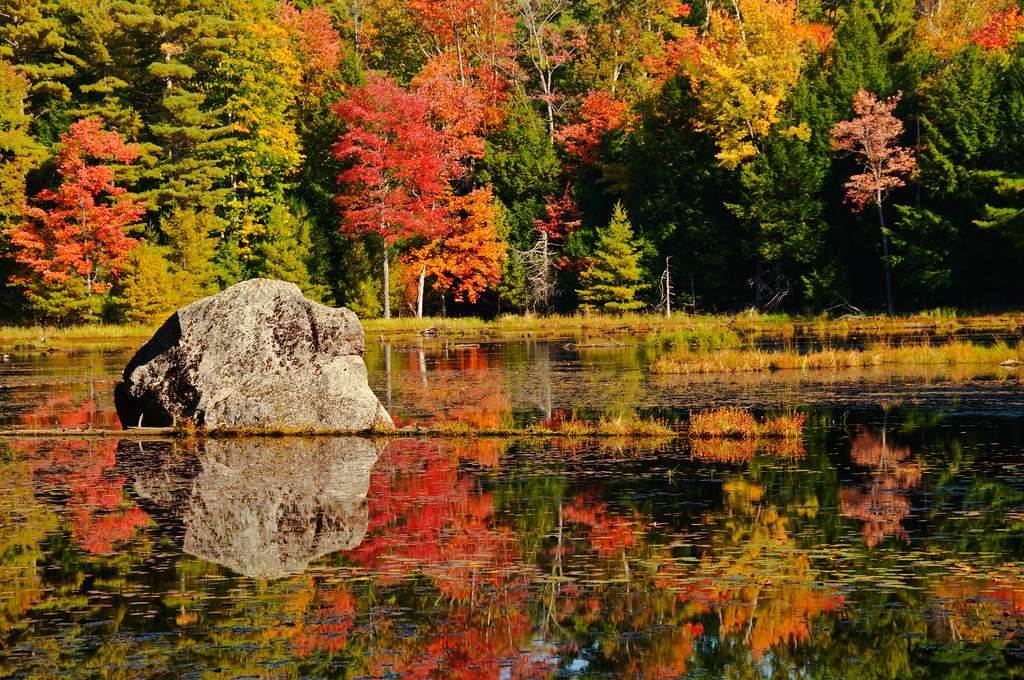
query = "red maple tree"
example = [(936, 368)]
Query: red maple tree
[(872, 136), (80, 229), (397, 179), (316, 43), (599, 114), (1000, 30)]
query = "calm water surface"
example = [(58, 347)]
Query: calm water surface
[(888, 543)]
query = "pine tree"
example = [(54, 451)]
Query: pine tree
[(33, 39), (185, 42), (614, 277), (285, 250), (148, 291), (192, 249), (258, 83), (19, 152)]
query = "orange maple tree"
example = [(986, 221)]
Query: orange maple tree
[(464, 259), (316, 43), (1000, 30), (80, 230)]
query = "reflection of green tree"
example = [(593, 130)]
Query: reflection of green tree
[(24, 522)]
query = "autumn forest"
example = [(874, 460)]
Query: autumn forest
[(483, 157)]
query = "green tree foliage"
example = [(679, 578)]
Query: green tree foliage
[(285, 250), (192, 248), (614, 277), (33, 37), (19, 151), (186, 42), (709, 122), (149, 291), (521, 164)]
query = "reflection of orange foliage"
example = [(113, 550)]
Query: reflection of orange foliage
[(881, 504), (781, 614), (97, 534), (977, 609), (744, 450), (66, 410), (332, 618), (881, 507), (486, 451), (101, 515), (753, 575), (609, 535), (428, 518), (722, 450), (669, 662), (487, 414), (463, 386)]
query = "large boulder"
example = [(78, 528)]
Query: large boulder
[(262, 507), (257, 356)]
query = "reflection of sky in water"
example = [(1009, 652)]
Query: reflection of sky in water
[(889, 540)]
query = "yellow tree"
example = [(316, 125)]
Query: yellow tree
[(745, 66)]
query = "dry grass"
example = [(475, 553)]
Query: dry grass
[(93, 336), (701, 331), (717, 330), (737, 423), (605, 427), (746, 361)]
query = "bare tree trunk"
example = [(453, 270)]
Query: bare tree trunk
[(668, 291), (419, 291), (885, 259), (387, 284)]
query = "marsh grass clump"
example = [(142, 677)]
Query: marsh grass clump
[(737, 423), (957, 352), (701, 338)]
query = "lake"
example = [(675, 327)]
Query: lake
[(887, 543)]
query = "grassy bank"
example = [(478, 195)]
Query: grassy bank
[(696, 331), (73, 337), (714, 330), (688, 361)]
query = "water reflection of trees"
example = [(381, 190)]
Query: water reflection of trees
[(882, 501), (470, 570)]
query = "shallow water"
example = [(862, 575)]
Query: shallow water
[(888, 543)]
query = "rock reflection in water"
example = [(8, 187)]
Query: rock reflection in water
[(264, 508)]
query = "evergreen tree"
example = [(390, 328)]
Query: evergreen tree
[(19, 152), (677, 192), (614, 277), (186, 41), (861, 58), (782, 204), (521, 164), (34, 39), (285, 250), (258, 83), (148, 291), (192, 249)]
